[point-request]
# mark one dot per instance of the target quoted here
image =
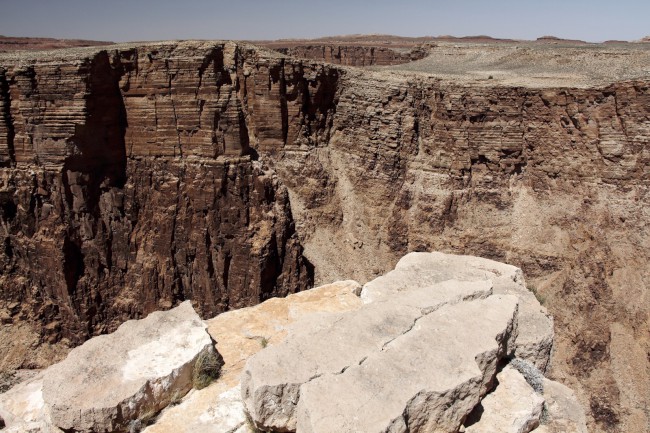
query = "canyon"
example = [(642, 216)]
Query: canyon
[(135, 177)]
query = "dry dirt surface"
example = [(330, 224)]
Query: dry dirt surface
[(8, 43), (546, 166)]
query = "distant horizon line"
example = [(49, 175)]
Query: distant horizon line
[(341, 36)]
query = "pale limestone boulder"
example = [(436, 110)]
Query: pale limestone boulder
[(564, 412), (535, 326), (513, 407), (131, 374), (240, 334), (366, 347), (428, 379), (23, 408)]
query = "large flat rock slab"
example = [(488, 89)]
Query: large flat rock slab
[(23, 409), (129, 375), (240, 334), (416, 270), (337, 346), (427, 379)]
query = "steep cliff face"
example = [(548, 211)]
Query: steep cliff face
[(128, 185), (553, 180)]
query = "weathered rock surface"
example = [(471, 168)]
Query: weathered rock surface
[(564, 413), (113, 380), (127, 186), (550, 177), (514, 407), (240, 334), (447, 271), (23, 408), (433, 349), (420, 356)]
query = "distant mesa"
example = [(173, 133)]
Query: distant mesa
[(555, 39)]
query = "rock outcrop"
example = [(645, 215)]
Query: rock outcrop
[(430, 352), (115, 381), (553, 179), (514, 406), (128, 186), (418, 356)]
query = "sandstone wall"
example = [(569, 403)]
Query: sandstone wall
[(552, 180), (128, 184), (111, 213)]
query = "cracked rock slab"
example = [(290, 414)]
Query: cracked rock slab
[(239, 333), (416, 331), (415, 270), (513, 407), (112, 380)]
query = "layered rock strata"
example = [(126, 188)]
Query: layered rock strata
[(376, 164), (129, 185), (349, 55)]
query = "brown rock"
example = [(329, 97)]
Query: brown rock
[(548, 174)]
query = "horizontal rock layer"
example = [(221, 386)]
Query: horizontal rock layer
[(129, 185), (376, 164), (349, 55)]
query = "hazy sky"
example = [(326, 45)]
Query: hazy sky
[(129, 20)]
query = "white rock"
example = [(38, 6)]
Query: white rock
[(131, 374), (414, 352), (513, 407), (416, 270)]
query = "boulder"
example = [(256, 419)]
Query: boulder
[(23, 408), (428, 379), (564, 412), (401, 348), (513, 407), (240, 334), (414, 270), (125, 378)]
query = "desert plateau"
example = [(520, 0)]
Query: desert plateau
[(362, 233)]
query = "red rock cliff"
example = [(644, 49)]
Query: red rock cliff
[(128, 186), (349, 55), (130, 182)]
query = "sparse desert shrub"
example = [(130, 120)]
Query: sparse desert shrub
[(251, 424), (206, 369), (533, 376), (145, 419)]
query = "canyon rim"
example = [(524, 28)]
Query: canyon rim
[(137, 176)]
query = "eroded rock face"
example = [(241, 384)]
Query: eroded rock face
[(128, 185), (554, 180), (418, 356), (514, 407), (349, 55)]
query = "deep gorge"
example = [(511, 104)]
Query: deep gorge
[(134, 178)]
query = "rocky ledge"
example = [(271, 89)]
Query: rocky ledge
[(442, 343)]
